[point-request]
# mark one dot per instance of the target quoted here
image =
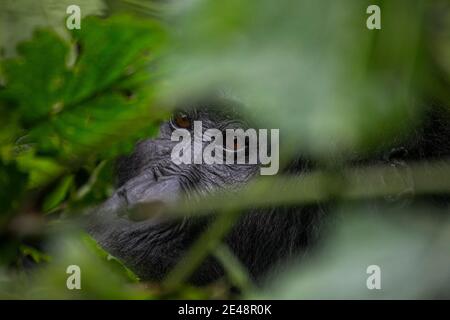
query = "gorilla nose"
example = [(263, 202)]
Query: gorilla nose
[(147, 198), (147, 210)]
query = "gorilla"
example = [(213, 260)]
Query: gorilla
[(262, 239)]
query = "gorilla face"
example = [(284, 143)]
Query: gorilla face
[(151, 161), (149, 175)]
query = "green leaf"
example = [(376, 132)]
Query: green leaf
[(235, 270), (113, 262), (36, 78), (12, 186), (59, 194), (94, 105), (42, 170), (110, 50), (36, 255), (19, 18)]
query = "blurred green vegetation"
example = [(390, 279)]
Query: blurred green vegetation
[(72, 101)]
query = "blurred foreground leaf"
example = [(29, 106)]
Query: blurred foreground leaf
[(100, 278), (309, 68), (411, 247)]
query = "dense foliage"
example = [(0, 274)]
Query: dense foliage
[(72, 101)]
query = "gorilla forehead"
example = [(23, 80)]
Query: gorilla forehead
[(219, 113)]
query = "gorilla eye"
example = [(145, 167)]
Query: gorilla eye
[(235, 146), (182, 121)]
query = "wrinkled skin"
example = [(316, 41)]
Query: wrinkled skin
[(261, 239)]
